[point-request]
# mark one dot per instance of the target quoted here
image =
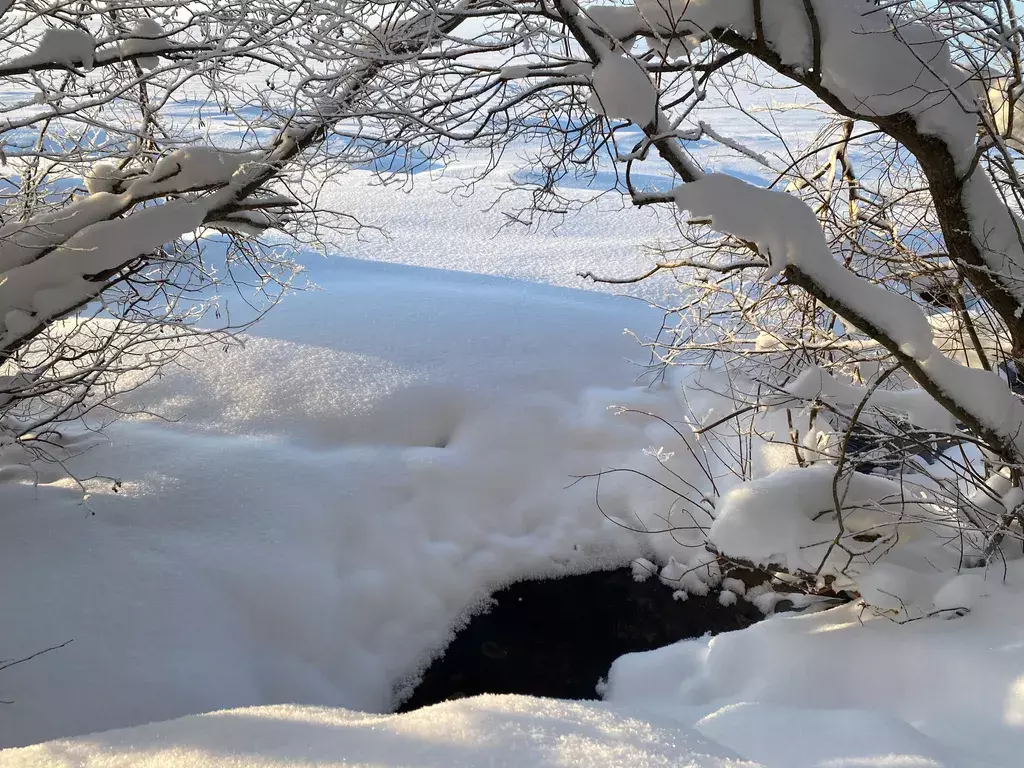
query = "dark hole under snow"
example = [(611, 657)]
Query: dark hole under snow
[(558, 637)]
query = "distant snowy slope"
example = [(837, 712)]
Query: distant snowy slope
[(423, 226), (482, 732)]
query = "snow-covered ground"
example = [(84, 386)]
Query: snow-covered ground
[(484, 732), (324, 505)]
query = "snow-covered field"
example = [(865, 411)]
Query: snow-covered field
[(317, 509)]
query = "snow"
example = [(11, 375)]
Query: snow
[(786, 229), (324, 504), (642, 569), (53, 285), (616, 21), (700, 15), (48, 263), (876, 67), (779, 518), (102, 177), (67, 47), (623, 89), (482, 732), (915, 403), (847, 688), (298, 533), (23, 241), (328, 501), (147, 35), (191, 168)]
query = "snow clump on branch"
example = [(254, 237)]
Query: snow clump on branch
[(623, 89)]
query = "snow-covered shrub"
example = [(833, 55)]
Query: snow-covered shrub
[(849, 254), (160, 165)]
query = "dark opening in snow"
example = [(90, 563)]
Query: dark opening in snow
[(559, 637)]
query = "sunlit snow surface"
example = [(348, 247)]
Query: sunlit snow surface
[(323, 504), (484, 732)]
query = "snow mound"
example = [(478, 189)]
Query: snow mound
[(484, 732), (326, 503), (844, 687)]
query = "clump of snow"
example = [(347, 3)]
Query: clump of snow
[(683, 577), (734, 585), (897, 590), (103, 176), (696, 17), (622, 89), (727, 598), (963, 591), (22, 241), (146, 35), (191, 168), (786, 230), (52, 286), (788, 518), (618, 22), (764, 598), (920, 407), (642, 569), (67, 47)]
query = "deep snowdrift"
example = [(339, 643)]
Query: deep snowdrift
[(320, 511)]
